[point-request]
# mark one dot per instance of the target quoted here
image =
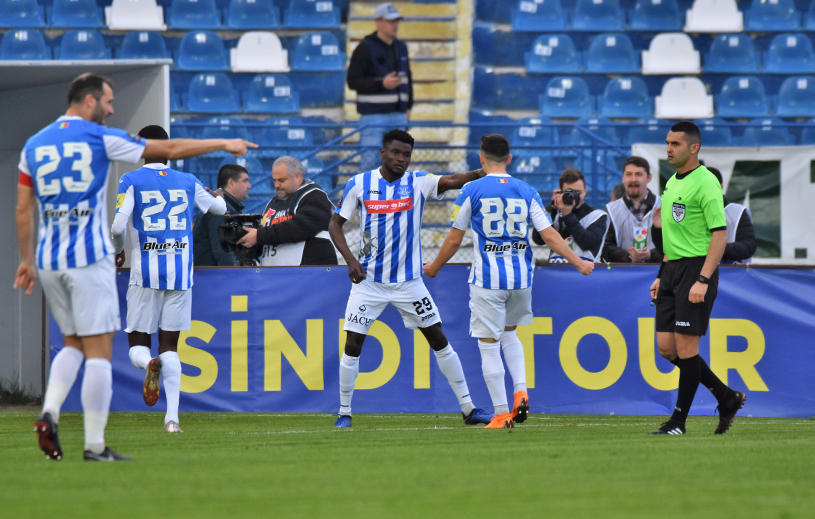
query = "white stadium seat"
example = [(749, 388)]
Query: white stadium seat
[(714, 16), (671, 53), (259, 51), (135, 15), (684, 98)]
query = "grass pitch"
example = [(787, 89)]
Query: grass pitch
[(414, 466)]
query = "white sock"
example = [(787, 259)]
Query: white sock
[(514, 357), (450, 366), (140, 356), (349, 369), (493, 369), (62, 377), (97, 390), (171, 373)]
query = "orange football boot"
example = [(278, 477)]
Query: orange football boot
[(501, 421), (151, 387), (520, 410)]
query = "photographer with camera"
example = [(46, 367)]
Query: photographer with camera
[(233, 184), (581, 226)]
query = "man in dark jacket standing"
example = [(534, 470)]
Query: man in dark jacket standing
[(233, 183)]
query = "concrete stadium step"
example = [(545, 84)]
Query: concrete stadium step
[(418, 30), (362, 11)]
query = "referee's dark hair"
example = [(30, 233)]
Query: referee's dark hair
[(397, 135), (230, 172), (691, 131), (87, 84), (154, 131), (495, 147), (718, 175), (570, 176)]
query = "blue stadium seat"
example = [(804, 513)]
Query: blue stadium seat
[(311, 14), (201, 51), (598, 15), (225, 128), (285, 140), (612, 54), (808, 135), (553, 54), (143, 45), (532, 134), (479, 117), (314, 172), (796, 97), (253, 14), (212, 93), (193, 14), (714, 133), (76, 14), (253, 167), (318, 51), (24, 44), (175, 102), (764, 132), (271, 94), (539, 171), (649, 131), (21, 13), (626, 98), (82, 45), (656, 15), (742, 96), (535, 16), (809, 18), (773, 15), (598, 126), (566, 97), (790, 54), (734, 53)]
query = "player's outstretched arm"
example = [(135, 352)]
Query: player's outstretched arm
[(186, 148), (27, 271), (448, 249), (457, 180), (555, 241), (355, 270)]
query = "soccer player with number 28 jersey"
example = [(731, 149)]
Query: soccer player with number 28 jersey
[(65, 167), (156, 203), (500, 210)]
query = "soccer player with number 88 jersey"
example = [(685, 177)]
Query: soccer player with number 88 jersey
[(500, 210)]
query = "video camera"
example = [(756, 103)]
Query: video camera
[(570, 197), (233, 230)]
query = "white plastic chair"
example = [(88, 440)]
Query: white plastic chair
[(259, 51), (671, 53), (714, 16), (684, 98), (135, 15)]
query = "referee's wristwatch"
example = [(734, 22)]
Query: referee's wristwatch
[(703, 279)]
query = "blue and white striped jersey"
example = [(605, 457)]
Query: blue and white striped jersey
[(157, 200), (500, 209), (68, 163), (391, 222)]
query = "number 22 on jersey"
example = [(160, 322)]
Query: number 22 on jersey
[(155, 202)]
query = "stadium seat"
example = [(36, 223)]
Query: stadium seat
[(135, 15), (253, 14), (537, 16), (808, 135), (259, 52), (201, 51), (598, 15), (21, 13), (649, 131), (539, 171), (809, 18), (225, 128), (193, 14), (655, 15), (612, 54), (714, 133), (285, 140), (175, 102), (76, 14), (252, 165), (671, 53), (553, 54), (311, 14), (317, 51), (742, 96), (684, 98), (566, 97), (143, 45), (82, 45), (271, 94), (715, 16), (790, 54), (772, 15), (212, 93), (765, 132), (733, 53), (599, 127), (532, 134), (626, 98), (24, 44), (796, 97)]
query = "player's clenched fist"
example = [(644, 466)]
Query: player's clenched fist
[(585, 267), (431, 270)]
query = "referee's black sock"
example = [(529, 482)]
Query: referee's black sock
[(690, 373), (712, 382)]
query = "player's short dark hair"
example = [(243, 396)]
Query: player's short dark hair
[(397, 135), (154, 131), (618, 191), (639, 162), (691, 131), (230, 172), (718, 175), (87, 84), (495, 147), (570, 176)]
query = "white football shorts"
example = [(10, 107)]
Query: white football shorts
[(493, 310), (84, 301), (368, 299), (149, 309)]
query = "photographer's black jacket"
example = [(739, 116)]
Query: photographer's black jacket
[(589, 238), (206, 246)]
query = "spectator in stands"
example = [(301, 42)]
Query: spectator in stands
[(618, 192), (379, 72), (629, 239), (295, 221), (233, 184), (582, 226)]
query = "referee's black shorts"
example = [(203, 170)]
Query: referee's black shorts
[(675, 313)]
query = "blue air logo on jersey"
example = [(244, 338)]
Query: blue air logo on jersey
[(165, 248), (73, 215), (498, 249)]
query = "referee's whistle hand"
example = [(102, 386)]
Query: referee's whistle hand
[(654, 289), (697, 293)]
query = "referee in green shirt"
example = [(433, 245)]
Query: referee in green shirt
[(694, 236)]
